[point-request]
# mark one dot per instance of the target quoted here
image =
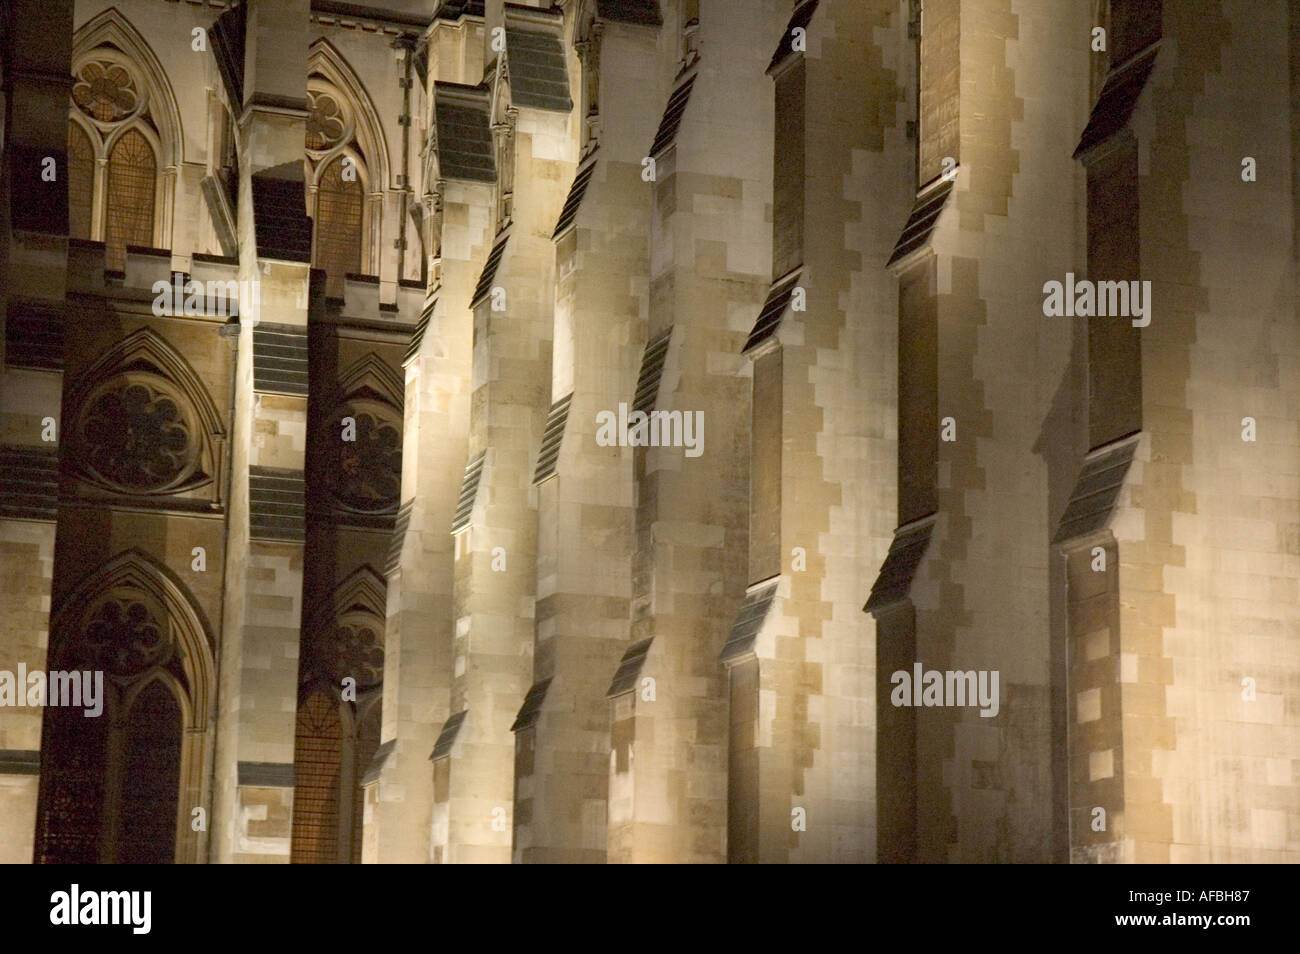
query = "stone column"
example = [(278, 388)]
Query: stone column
[(584, 485), (512, 302), (822, 495), (421, 574), (253, 809), (710, 260)]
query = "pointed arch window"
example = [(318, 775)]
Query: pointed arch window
[(151, 750), (114, 149), (334, 743), (318, 756), (142, 424), (72, 793), (112, 782), (338, 174), (81, 182), (132, 173), (338, 731), (362, 475), (338, 224)]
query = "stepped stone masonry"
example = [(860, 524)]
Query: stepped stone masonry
[(682, 431)]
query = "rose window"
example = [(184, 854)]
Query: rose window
[(368, 471), (137, 437), (353, 650)]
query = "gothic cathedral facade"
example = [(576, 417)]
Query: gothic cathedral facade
[(453, 431)]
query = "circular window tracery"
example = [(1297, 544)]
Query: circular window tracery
[(352, 647), (338, 171), (125, 638), (136, 435), (106, 91), (112, 106), (328, 123), (366, 473)]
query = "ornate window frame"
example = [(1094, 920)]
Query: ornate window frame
[(359, 600), (185, 666), (362, 141), (110, 38), (144, 357), (367, 387)]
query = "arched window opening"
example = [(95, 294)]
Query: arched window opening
[(338, 225), (341, 672), (113, 760), (81, 182), (116, 150), (73, 790), (151, 776), (318, 756), (131, 183), (327, 124), (338, 173)]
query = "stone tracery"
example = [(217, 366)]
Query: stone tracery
[(106, 91), (136, 436), (365, 474)]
